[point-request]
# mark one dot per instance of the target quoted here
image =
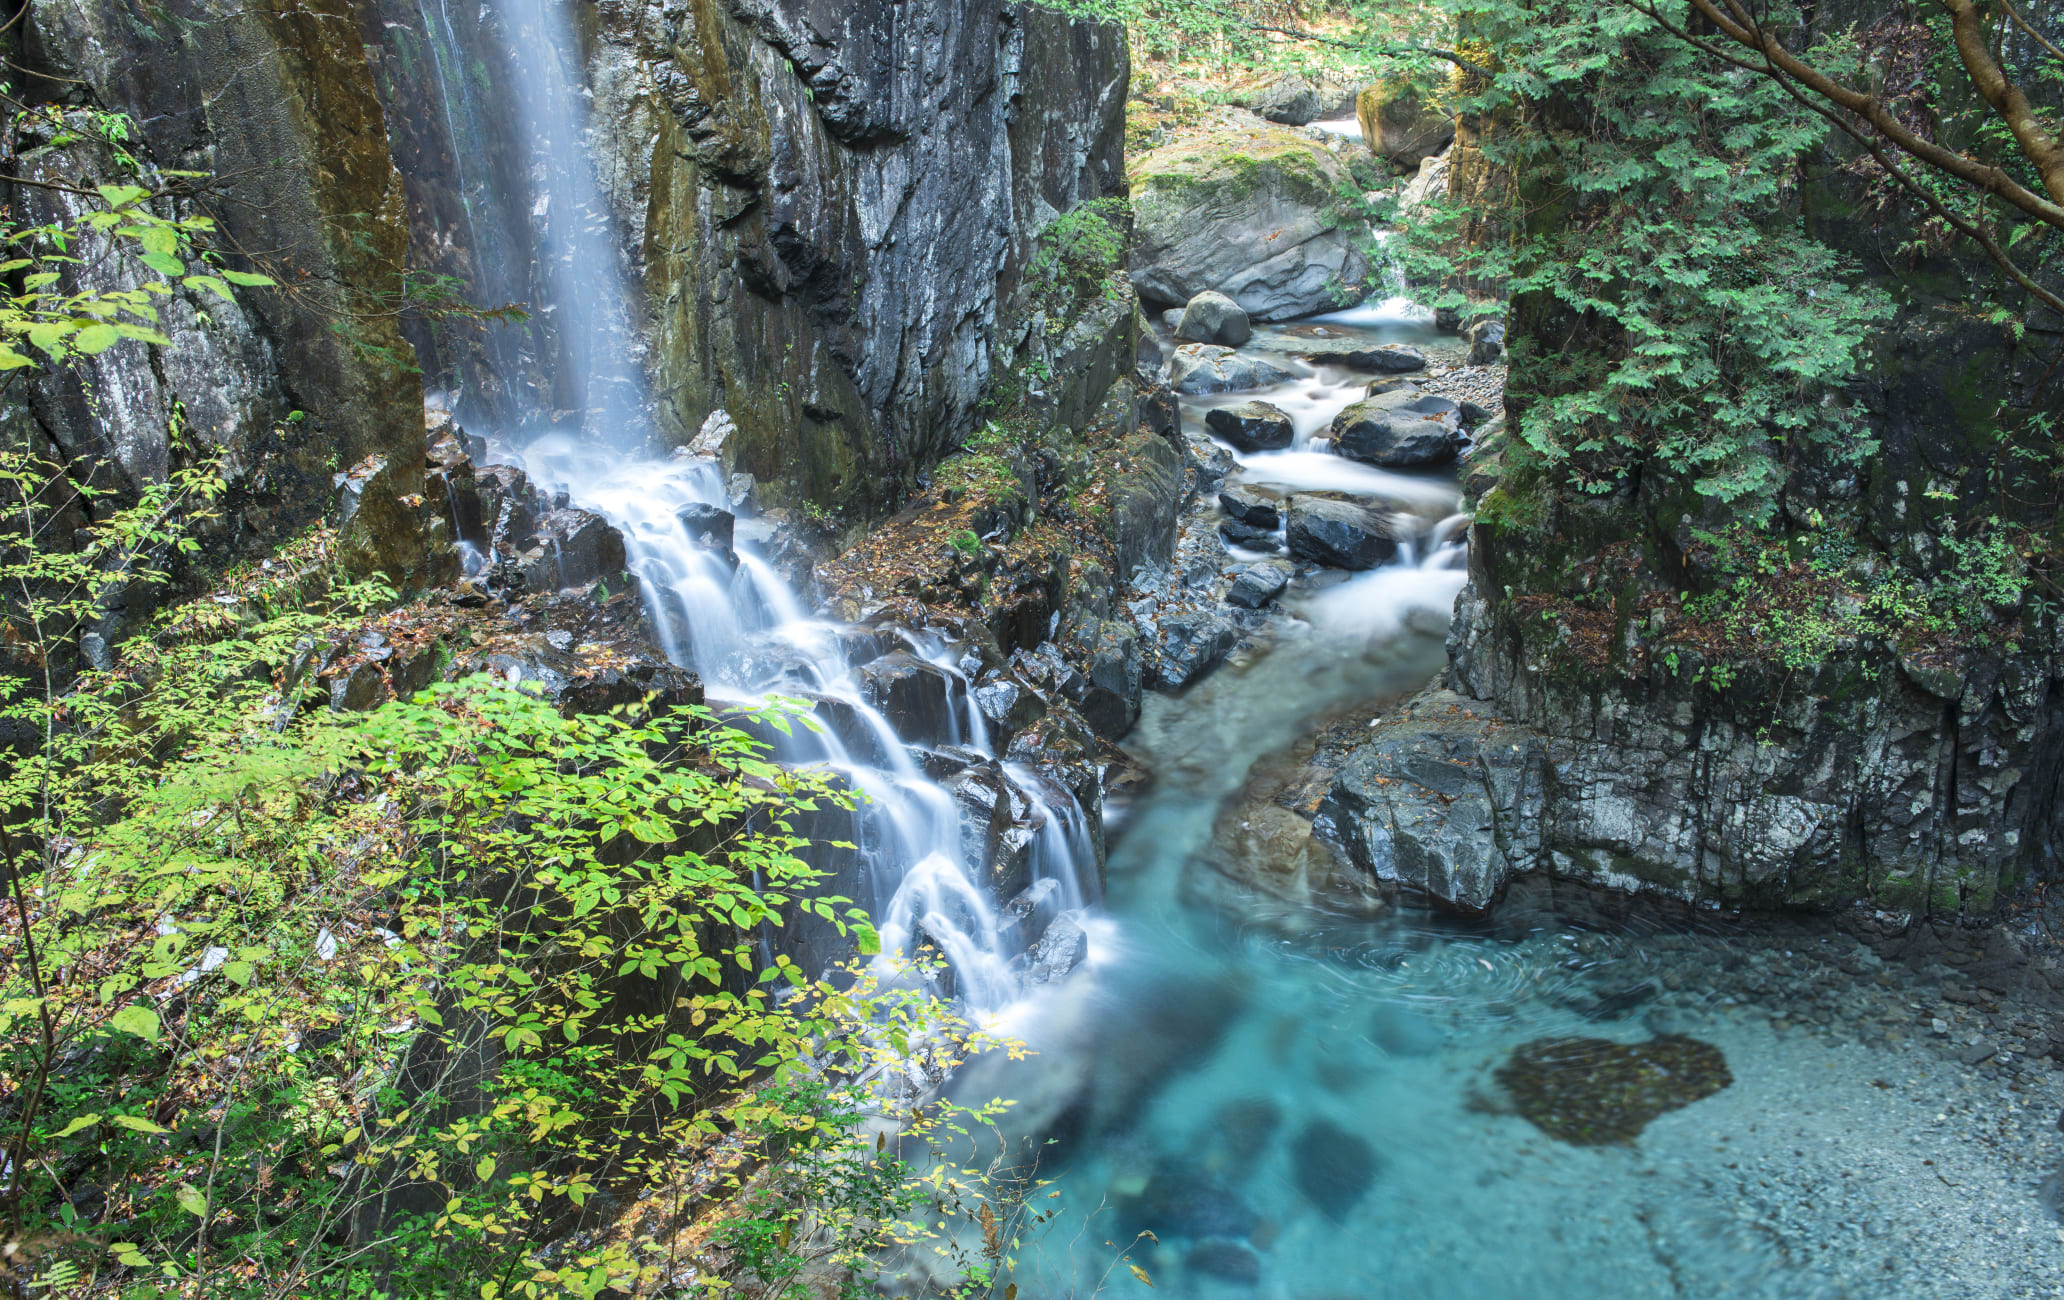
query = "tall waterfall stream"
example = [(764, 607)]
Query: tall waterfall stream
[(1296, 1102)]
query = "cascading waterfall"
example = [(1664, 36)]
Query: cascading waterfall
[(717, 606)]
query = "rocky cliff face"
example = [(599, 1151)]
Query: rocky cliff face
[(1569, 738), (277, 109), (829, 207)]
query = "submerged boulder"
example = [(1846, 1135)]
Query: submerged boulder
[(1201, 369), (1339, 534), (1334, 1168), (1252, 426), (1212, 317), (1255, 214), (1593, 1092)]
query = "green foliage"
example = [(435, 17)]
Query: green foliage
[(297, 1003), (1081, 254), (1682, 320)]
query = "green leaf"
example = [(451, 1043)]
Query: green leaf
[(136, 1124), (95, 339), (866, 939), (192, 1200), (248, 280), (485, 1169), (239, 972), (165, 263), (138, 1020), (210, 283), (117, 195), (83, 1121)]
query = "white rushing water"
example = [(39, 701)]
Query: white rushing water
[(717, 605)]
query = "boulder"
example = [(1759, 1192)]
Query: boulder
[(1290, 99), (709, 527), (1389, 359), (1252, 426), (1395, 439), (1008, 706), (1412, 403), (1400, 126), (1191, 645), (1247, 535), (1257, 584), (1486, 342), (1063, 947), (1257, 507), (1378, 387), (1200, 369), (1212, 317), (1339, 534), (1255, 214)]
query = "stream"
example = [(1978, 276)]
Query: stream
[(1246, 1093)]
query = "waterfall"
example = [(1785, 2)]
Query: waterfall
[(717, 605)]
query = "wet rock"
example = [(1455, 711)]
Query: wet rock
[(996, 835), (1393, 439), (359, 689), (1201, 369), (1211, 461), (1339, 534), (1226, 1260), (1191, 645), (1378, 387), (1472, 414), (1390, 359), (1063, 947), (918, 698), (1247, 535), (1255, 585), (1592, 1092), (1111, 702), (1008, 706), (1486, 342), (1257, 507), (1333, 1167), (709, 527), (578, 679), (1160, 413), (1213, 318), (1252, 426), (573, 548)]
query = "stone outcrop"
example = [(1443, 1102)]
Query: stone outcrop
[(832, 217), (1253, 213), (1400, 126), (277, 106)]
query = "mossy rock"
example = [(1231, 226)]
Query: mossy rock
[(1594, 1092)]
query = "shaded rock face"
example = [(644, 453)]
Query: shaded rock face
[(278, 105), (1255, 215), (800, 185), (1400, 126), (1290, 100)]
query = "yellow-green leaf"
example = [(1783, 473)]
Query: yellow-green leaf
[(95, 339), (138, 1020), (84, 1121), (1139, 1273), (248, 280), (485, 1169), (137, 1125), (193, 1200)]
